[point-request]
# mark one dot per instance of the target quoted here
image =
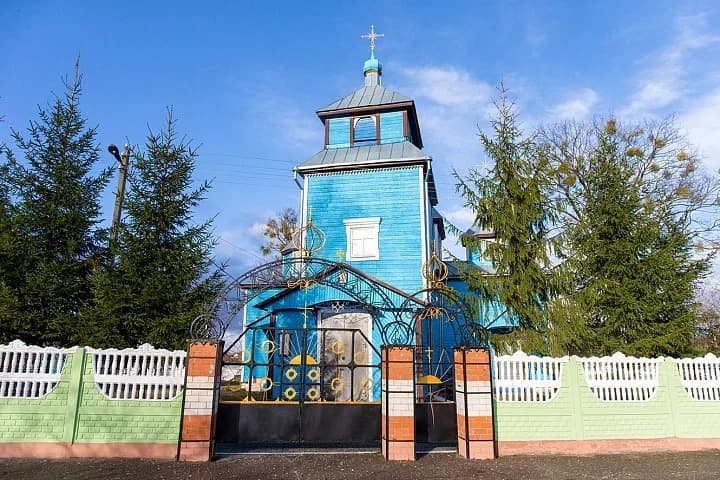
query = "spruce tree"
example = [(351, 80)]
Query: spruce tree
[(632, 264), (162, 276), (511, 200), (51, 209), (9, 261)]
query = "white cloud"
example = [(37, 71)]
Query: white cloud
[(655, 93), (451, 103), (234, 242), (577, 106), (257, 229), (298, 129), (701, 124), (664, 80), (239, 247), (448, 86), (277, 112), (461, 217)]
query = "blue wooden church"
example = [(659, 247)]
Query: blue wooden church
[(368, 206)]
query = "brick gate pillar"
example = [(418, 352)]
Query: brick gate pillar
[(473, 397), (398, 403), (202, 388)]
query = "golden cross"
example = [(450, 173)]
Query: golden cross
[(305, 312)]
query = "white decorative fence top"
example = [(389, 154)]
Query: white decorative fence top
[(523, 378), (701, 376), (142, 373), (622, 379), (27, 371)]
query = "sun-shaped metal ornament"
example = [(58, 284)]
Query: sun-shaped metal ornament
[(435, 271), (308, 239), (207, 326)]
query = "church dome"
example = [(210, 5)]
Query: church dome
[(372, 65)]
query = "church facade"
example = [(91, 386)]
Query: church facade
[(366, 260)]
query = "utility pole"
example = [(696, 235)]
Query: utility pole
[(124, 160)]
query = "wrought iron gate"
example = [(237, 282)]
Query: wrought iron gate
[(435, 415), (300, 386)]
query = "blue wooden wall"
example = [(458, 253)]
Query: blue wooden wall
[(391, 130), (392, 194), (252, 311), (391, 127), (476, 256), (338, 132)]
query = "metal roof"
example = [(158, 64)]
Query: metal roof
[(366, 97), (457, 267), (478, 232), (365, 155)]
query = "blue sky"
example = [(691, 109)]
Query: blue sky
[(245, 78)]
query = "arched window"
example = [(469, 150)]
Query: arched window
[(364, 131)]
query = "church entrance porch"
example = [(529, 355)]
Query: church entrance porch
[(305, 372), (346, 344)]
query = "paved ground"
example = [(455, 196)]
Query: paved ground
[(686, 466)]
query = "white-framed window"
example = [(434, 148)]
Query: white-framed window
[(362, 238)]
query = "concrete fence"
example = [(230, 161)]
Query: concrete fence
[(28, 371), (88, 402), (129, 403), (609, 404)]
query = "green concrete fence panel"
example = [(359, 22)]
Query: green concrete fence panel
[(44, 419), (141, 401), (695, 418), (35, 386), (576, 413), (102, 420)]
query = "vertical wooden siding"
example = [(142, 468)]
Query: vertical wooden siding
[(391, 194), (391, 130), (338, 132), (391, 127)]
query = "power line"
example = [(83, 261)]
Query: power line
[(243, 250), (243, 166), (248, 157), (222, 269), (255, 174), (253, 184)]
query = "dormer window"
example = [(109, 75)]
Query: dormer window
[(365, 130)]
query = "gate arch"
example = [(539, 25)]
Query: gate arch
[(303, 273)]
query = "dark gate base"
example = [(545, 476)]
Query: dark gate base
[(436, 424), (278, 424)]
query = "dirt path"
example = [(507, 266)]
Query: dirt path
[(686, 466)]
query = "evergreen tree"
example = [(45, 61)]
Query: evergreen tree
[(511, 201), (632, 264), (50, 209), (162, 277), (9, 272)]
